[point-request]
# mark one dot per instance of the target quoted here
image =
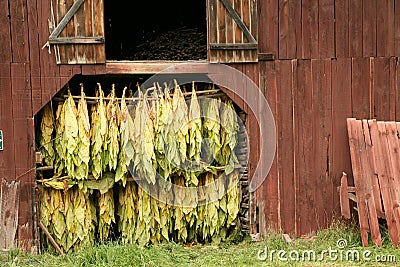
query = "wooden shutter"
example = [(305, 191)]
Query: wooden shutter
[(232, 31), (77, 31)]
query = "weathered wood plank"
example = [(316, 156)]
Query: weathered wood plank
[(9, 204), (303, 127), (369, 8), (354, 142), (89, 31), (49, 71), (289, 29), (34, 55), (253, 54), (268, 16), (392, 88), (394, 159), (370, 169), (5, 33), (326, 29), (381, 88), (66, 15), (362, 173), (321, 140), (397, 30), (269, 194), (341, 110), (385, 28), (7, 165), (99, 30), (382, 161), (309, 29), (25, 172), (355, 28), (360, 88), (21, 91), (342, 28), (369, 182), (246, 21), (344, 199), (19, 31), (62, 9), (397, 90), (285, 77), (71, 33), (238, 34), (229, 36)]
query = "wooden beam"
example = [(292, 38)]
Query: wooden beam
[(230, 46), (148, 67), (51, 239), (77, 40)]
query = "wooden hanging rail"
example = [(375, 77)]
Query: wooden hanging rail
[(94, 99)]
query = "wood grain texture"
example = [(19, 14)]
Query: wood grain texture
[(342, 24), (303, 127), (326, 29), (369, 29), (341, 110), (381, 88), (289, 29), (355, 28), (309, 29), (397, 30), (321, 151), (363, 173), (19, 31), (382, 161), (7, 167), (385, 28), (285, 85), (360, 88), (269, 194), (5, 33), (268, 26), (9, 200)]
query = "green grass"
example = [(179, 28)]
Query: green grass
[(229, 253)]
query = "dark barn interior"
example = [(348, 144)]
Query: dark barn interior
[(155, 30)]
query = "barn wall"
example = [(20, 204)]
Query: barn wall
[(324, 72)]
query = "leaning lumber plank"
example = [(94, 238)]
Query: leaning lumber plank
[(372, 170), (356, 146), (368, 176), (382, 162), (394, 157), (344, 199)]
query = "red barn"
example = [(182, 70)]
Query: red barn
[(316, 62)]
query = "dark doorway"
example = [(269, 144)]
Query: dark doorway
[(155, 30)]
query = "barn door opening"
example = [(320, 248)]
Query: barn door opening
[(156, 30)]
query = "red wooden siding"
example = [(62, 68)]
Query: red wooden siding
[(333, 60)]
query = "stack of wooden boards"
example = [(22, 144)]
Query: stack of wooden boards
[(375, 158)]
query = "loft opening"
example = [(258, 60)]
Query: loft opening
[(155, 30)]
